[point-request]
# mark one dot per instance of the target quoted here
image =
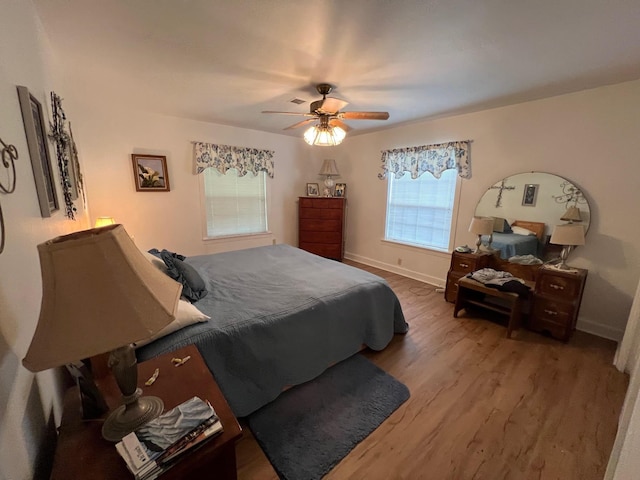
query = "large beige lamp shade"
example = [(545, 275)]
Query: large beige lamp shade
[(99, 294), (568, 235)]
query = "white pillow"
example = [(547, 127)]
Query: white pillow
[(187, 314), (157, 262), (521, 231)]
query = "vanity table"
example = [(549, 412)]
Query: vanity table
[(540, 199)]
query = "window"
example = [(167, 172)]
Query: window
[(234, 205), (419, 211)]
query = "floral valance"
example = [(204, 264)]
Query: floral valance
[(226, 157), (427, 158)]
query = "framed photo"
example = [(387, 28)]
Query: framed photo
[(34, 129), (150, 173), (312, 190), (530, 194), (341, 190)]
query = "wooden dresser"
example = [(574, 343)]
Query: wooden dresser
[(555, 299), (321, 226)]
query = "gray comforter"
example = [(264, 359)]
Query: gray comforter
[(280, 316)]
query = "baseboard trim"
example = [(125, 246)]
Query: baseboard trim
[(436, 282), (599, 330)]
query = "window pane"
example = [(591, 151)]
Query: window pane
[(234, 205), (419, 211)]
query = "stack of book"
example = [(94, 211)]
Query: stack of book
[(157, 446)]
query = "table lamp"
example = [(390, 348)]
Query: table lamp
[(329, 169), (100, 294), (572, 215), (568, 235), (481, 226)]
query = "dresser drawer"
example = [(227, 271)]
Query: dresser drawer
[(306, 202), (323, 213), (561, 332), (320, 237), (319, 225), (464, 263), (559, 286), (324, 250), (550, 311)]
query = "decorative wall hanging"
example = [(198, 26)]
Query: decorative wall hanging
[(9, 156), (63, 146), (150, 173), (34, 128), (74, 163)]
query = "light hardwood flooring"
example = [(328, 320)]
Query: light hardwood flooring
[(482, 406)]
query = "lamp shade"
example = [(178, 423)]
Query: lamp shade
[(572, 215), (104, 221), (481, 225), (99, 293), (567, 234), (324, 135), (329, 167)]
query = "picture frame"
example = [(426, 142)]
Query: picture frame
[(150, 173), (313, 190), (340, 190), (530, 194), (36, 135)]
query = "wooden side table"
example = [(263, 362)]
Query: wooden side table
[(83, 453)]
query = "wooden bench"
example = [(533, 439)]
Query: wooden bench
[(472, 292)]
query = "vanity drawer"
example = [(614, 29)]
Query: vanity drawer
[(558, 313), (464, 263), (559, 285)]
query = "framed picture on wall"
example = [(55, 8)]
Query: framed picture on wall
[(150, 173), (341, 190), (35, 132), (530, 194), (312, 190)]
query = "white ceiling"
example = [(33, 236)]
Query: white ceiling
[(224, 61)]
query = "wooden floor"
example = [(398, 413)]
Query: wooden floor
[(482, 406)]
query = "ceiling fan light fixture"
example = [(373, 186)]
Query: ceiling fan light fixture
[(324, 135)]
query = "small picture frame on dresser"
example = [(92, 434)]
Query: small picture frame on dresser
[(312, 190), (341, 190)]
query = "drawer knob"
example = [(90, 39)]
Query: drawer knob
[(464, 265), (556, 286), (550, 312)]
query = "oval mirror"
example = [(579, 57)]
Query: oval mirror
[(534, 201)]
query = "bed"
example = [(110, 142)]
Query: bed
[(279, 317), (514, 244)]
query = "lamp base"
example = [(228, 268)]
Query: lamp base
[(127, 418)]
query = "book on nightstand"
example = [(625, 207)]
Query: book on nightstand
[(157, 446)]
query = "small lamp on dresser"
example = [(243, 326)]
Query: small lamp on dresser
[(329, 169), (481, 226), (100, 294), (572, 215), (568, 235)]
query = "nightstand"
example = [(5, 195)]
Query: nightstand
[(557, 298), (83, 453)]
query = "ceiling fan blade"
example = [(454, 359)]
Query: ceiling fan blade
[(329, 105), (364, 115), (290, 113), (300, 124), (339, 123)]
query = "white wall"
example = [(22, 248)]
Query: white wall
[(107, 137), (589, 137), (29, 404)]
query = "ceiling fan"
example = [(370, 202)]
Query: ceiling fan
[(330, 130)]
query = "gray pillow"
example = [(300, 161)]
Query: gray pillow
[(193, 286)]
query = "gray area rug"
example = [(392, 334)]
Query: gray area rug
[(308, 429)]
